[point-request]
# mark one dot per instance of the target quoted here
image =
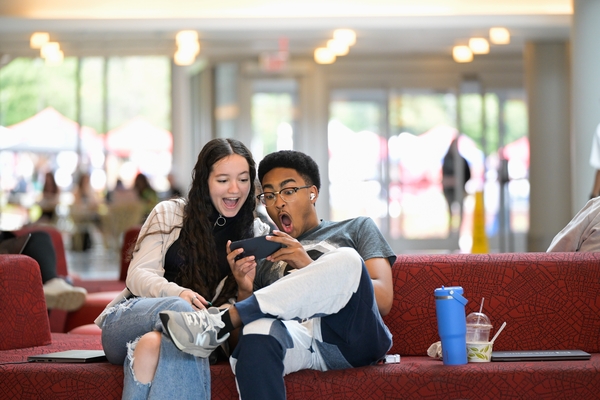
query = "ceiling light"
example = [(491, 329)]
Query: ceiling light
[(499, 35), (183, 37), (189, 48), (347, 36), (479, 45), (324, 56), (462, 54), (49, 48), (338, 47), (38, 39), (55, 58), (183, 58)]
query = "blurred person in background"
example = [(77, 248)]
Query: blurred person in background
[(50, 199), (121, 194), (449, 182), (146, 193), (174, 190), (84, 212)]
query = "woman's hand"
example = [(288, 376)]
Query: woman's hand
[(244, 271), (198, 302)]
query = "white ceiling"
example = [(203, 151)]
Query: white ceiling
[(245, 28)]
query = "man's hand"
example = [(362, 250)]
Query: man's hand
[(244, 271), (292, 251)]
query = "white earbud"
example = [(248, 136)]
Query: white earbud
[(312, 196)]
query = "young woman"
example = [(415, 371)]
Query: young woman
[(180, 263)]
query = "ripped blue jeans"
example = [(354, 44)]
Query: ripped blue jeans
[(178, 375)]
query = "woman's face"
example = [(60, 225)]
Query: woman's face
[(229, 184)]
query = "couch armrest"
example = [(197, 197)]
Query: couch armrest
[(24, 321)]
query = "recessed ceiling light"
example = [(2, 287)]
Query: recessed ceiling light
[(462, 54), (324, 56), (499, 35), (38, 39), (479, 45)]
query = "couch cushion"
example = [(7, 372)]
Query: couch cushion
[(94, 304), (22, 380), (24, 318)]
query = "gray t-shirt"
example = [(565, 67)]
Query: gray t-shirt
[(359, 233)]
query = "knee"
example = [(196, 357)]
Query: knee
[(145, 356), (256, 350), (178, 304), (149, 343), (344, 257)]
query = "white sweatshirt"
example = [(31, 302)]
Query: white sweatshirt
[(582, 233)]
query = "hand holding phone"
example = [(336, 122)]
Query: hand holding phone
[(259, 247)]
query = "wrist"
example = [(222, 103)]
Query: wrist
[(243, 294)]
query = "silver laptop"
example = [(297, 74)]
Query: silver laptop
[(14, 245), (70, 356), (540, 355)]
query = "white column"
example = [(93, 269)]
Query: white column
[(183, 158), (585, 102), (547, 84)]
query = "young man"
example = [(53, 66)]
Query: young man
[(314, 304)]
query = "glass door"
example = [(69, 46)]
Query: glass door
[(357, 141), (392, 152), (273, 111)]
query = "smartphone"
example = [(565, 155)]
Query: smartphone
[(259, 247)]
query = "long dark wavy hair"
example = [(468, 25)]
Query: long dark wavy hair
[(201, 273), (200, 270)]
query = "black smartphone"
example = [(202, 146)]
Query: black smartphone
[(259, 247)]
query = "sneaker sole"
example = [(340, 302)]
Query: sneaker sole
[(68, 301)]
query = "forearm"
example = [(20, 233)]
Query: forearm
[(384, 297)]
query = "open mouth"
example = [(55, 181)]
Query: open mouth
[(286, 223), (231, 203)]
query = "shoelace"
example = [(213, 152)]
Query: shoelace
[(197, 318)]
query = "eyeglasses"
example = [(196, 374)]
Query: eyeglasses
[(286, 194)]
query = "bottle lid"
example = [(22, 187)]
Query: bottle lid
[(449, 293)]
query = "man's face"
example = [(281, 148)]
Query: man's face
[(296, 215)]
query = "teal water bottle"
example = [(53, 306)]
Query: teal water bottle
[(452, 324)]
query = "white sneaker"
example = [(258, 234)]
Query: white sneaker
[(60, 295)]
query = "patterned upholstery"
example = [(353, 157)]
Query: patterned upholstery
[(549, 300), (24, 319), (22, 380)]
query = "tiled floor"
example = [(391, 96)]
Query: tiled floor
[(95, 263)]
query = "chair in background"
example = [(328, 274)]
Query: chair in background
[(82, 321), (116, 219)]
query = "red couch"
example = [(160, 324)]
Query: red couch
[(100, 292), (549, 301)]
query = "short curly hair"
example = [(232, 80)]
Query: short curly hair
[(302, 163)]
